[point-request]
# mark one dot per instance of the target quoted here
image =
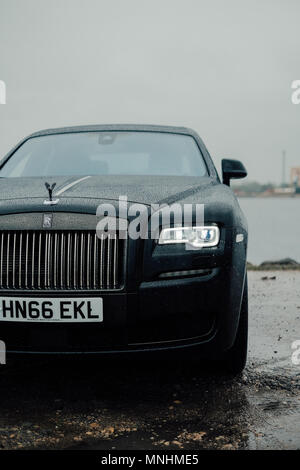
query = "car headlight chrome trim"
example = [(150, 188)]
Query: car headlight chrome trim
[(197, 236)]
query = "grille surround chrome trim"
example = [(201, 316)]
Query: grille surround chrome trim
[(46, 261)]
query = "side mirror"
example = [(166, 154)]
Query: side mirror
[(232, 169)]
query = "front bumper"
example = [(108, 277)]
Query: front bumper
[(162, 315)]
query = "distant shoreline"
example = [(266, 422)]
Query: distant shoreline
[(273, 266), (268, 196)]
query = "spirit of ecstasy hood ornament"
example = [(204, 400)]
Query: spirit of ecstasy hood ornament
[(51, 201), (50, 189)]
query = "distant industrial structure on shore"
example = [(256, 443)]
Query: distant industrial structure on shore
[(295, 178)]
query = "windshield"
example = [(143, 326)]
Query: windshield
[(107, 153)]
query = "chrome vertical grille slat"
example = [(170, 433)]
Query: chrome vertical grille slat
[(55, 261), (95, 258), (68, 260), (115, 261), (59, 260), (20, 261), (49, 259), (1, 261), (46, 260), (39, 261), (14, 261), (88, 254), (108, 263), (82, 260), (26, 260), (102, 244), (75, 270), (7, 258), (33, 259), (62, 262)]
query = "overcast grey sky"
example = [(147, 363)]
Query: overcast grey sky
[(224, 68)]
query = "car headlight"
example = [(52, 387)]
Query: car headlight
[(197, 237)]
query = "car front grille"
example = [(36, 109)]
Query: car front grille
[(59, 260)]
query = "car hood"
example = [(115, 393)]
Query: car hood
[(140, 189), (84, 194)]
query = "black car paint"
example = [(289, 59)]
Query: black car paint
[(149, 313)]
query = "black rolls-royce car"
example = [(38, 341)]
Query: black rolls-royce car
[(83, 271)]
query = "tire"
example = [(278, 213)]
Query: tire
[(236, 358)]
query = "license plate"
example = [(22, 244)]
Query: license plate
[(68, 310)]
